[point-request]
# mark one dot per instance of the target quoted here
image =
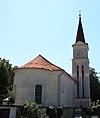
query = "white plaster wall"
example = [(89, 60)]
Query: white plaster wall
[(67, 90), (26, 79)]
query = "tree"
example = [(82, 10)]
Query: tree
[(6, 78), (94, 85), (30, 109), (11, 98)]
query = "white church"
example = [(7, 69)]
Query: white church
[(49, 85)]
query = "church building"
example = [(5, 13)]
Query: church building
[(49, 85)]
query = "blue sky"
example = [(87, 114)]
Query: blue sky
[(48, 27)]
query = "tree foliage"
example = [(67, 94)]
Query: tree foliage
[(6, 78), (94, 85), (30, 110), (11, 98)]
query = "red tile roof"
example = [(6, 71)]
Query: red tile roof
[(41, 63)]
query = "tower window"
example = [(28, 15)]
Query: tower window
[(82, 71), (77, 72), (38, 94), (83, 81), (78, 81)]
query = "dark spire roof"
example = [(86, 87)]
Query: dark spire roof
[(80, 33)]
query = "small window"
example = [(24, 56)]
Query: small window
[(38, 94)]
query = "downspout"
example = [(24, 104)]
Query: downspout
[(59, 87)]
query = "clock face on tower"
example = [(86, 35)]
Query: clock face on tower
[(79, 53)]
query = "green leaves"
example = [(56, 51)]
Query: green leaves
[(6, 78), (30, 109), (31, 106), (94, 85), (11, 98)]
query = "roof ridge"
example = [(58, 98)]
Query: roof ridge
[(49, 62), (42, 63)]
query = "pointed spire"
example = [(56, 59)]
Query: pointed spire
[(80, 33)]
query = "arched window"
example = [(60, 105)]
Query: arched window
[(38, 94)]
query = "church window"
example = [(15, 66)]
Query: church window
[(78, 81), (77, 72), (83, 81), (82, 71), (38, 94)]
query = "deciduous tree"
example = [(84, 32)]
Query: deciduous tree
[(6, 78), (94, 85)]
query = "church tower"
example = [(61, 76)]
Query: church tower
[(80, 68)]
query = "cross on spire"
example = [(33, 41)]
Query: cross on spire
[(79, 13)]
